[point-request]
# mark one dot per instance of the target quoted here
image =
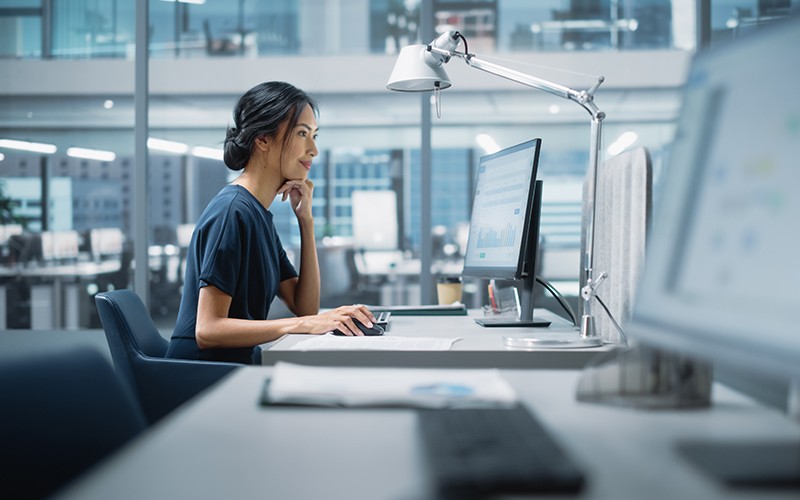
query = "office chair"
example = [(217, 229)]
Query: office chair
[(138, 351), (63, 412)]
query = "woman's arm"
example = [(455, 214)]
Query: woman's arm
[(306, 293), (302, 295), (215, 329)]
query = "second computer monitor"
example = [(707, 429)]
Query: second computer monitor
[(504, 227)]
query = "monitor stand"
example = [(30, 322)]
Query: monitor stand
[(511, 322), (526, 318)]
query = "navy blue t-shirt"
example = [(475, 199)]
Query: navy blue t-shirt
[(235, 248)]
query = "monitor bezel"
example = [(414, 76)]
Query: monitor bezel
[(519, 271)]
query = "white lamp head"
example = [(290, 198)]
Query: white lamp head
[(416, 71)]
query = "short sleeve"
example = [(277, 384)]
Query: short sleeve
[(221, 254), (287, 269)]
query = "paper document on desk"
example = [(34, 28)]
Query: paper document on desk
[(335, 343), (411, 387)]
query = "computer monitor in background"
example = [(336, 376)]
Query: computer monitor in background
[(375, 220), (60, 245), (106, 242), (183, 235), (504, 228)]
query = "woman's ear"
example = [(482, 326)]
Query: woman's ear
[(262, 143)]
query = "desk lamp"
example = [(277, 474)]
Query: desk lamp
[(420, 68)]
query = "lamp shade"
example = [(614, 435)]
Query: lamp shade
[(414, 72)]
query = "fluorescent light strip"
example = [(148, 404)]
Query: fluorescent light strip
[(487, 143), (91, 154), (35, 147), (168, 146), (196, 2), (204, 152), (622, 143)]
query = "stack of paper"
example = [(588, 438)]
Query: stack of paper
[(426, 388)]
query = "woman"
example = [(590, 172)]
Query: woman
[(236, 264)]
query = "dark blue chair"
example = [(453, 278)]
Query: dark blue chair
[(138, 350), (63, 411)]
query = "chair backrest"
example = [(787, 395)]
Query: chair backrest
[(62, 412), (623, 206), (129, 330), (138, 351)]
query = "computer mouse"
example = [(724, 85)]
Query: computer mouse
[(375, 330)]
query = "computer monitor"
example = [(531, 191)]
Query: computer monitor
[(720, 282), (504, 227), (721, 277), (106, 242), (60, 245), (375, 220)]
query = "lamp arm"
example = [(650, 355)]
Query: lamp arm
[(585, 98)]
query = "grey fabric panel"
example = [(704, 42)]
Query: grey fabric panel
[(624, 198)]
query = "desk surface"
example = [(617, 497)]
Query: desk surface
[(479, 347), (89, 268), (224, 445)]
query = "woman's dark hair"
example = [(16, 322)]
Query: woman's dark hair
[(260, 113)]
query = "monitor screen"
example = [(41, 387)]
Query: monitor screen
[(721, 278), (60, 245), (503, 213), (107, 241)]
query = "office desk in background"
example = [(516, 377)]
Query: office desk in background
[(55, 290), (225, 445)]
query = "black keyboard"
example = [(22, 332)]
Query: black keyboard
[(478, 452), (382, 318)]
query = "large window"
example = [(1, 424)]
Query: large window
[(370, 139), (250, 28)]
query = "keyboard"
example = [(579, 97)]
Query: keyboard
[(478, 452), (382, 318)]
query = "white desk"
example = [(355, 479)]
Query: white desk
[(55, 302), (479, 347), (225, 445)]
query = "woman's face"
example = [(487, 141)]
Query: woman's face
[(300, 148)]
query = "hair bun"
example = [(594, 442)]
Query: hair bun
[(235, 155)]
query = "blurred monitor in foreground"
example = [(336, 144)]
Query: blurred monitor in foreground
[(721, 279), (720, 282)]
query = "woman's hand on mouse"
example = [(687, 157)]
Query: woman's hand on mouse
[(300, 193), (342, 318)]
